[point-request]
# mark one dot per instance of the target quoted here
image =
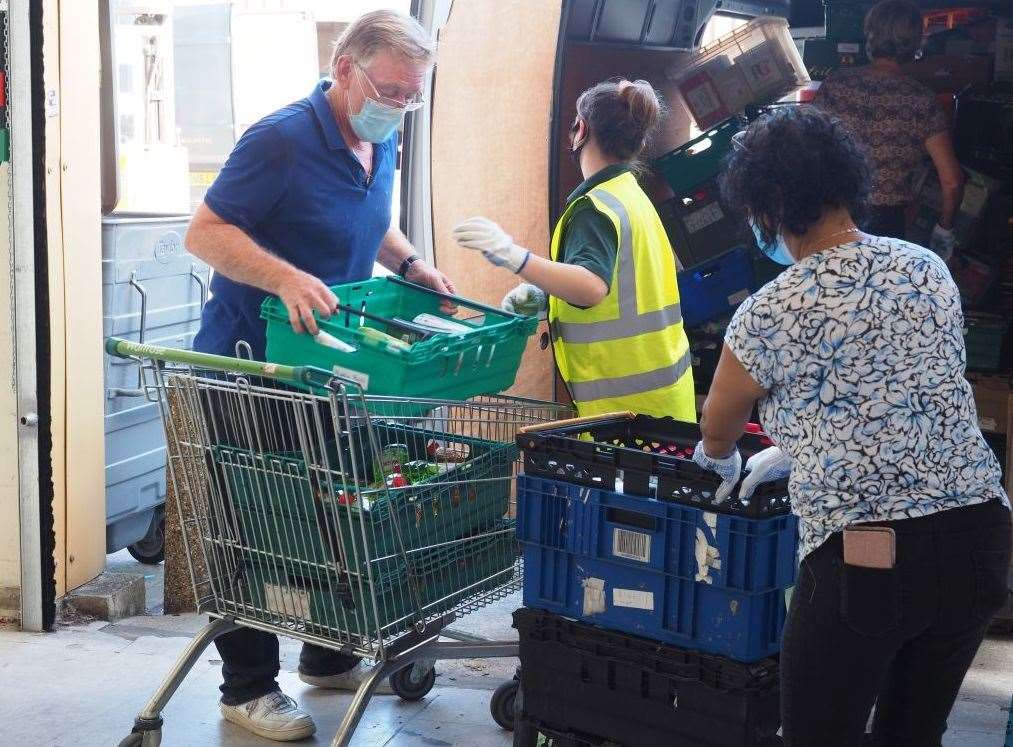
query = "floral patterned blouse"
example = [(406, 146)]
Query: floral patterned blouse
[(892, 115), (862, 352)]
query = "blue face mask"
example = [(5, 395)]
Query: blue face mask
[(777, 250), (376, 121)]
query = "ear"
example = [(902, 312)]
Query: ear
[(343, 71), (582, 133)]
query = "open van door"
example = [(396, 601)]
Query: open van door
[(481, 146)]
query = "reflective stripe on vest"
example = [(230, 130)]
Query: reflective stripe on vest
[(625, 386), (629, 323)]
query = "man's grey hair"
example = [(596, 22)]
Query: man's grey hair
[(383, 30), (893, 30)]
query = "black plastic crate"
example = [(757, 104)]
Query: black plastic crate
[(641, 455), (595, 686)]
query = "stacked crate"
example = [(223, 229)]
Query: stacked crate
[(652, 597)]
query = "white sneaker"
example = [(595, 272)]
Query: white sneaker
[(273, 716), (350, 680)]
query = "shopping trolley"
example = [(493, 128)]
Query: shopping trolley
[(359, 523)]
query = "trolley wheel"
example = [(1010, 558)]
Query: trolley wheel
[(408, 686), (503, 702), (151, 549)]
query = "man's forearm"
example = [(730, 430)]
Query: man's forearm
[(394, 250), (236, 256)]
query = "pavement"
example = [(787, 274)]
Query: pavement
[(83, 684)]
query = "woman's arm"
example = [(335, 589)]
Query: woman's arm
[(951, 176), (575, 285), (729, 403)]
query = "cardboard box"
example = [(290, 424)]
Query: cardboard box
[(992, 395), (946, 73)]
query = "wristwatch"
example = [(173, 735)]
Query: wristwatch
[(408, 262)]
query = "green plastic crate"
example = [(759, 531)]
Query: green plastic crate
[(282, 510), (5, 145), (983, 341), (696, 162), (445, 577), (459, 366)]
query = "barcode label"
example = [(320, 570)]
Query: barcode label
[(631, 545)]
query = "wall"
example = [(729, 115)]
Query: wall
[(82, 290), (492, 109), (10, 549)]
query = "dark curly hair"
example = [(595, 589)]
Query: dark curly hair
[(789, 167)]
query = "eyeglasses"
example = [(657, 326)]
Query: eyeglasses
[(409, 103), (738, 140)]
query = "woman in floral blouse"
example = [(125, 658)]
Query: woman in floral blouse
[(855, 356), (899, 122)]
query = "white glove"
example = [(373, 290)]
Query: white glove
[(766, 466), (727, 468), (482, 235), (525, 299), (942, 242)]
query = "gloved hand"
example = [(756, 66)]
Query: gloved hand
[(482, 235), (942, 242), (727, 468), (526, 299), (766, 466)]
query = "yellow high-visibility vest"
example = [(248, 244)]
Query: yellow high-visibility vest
[(629, 352)]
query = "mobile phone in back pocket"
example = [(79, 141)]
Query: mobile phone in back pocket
[(870, 547)]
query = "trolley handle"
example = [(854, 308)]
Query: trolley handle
[(309, 375)]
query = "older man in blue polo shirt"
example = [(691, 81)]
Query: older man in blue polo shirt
[(303, 203)]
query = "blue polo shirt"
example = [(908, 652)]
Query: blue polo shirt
[(294, 187)]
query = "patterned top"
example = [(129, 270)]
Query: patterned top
[(862, 352), (893, 116)]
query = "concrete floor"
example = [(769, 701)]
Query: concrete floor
[(83, 685)]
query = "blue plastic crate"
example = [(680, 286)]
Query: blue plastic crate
[(728, 552), (740, 625), (716, 287)]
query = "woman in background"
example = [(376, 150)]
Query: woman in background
[(899, 121)]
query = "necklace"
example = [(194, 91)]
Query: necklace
[(852, 229)]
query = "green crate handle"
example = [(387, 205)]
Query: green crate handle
[(309, 375), (457, 299)]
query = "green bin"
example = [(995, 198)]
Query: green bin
[(983, 340), (285, 509), (457, 366), (445, 576), (699, 160)]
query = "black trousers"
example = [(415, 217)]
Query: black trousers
[(886, 220), (899, 639), (250, 664)]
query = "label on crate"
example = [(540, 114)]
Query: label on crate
[(594, 596), (631, 545), (358, 377), (640, 600), (288, 601), (736, 298), (705, 216)]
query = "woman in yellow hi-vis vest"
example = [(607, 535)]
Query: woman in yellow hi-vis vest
[(610, 287)]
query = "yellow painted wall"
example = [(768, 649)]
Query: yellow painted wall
[(83, 387)]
